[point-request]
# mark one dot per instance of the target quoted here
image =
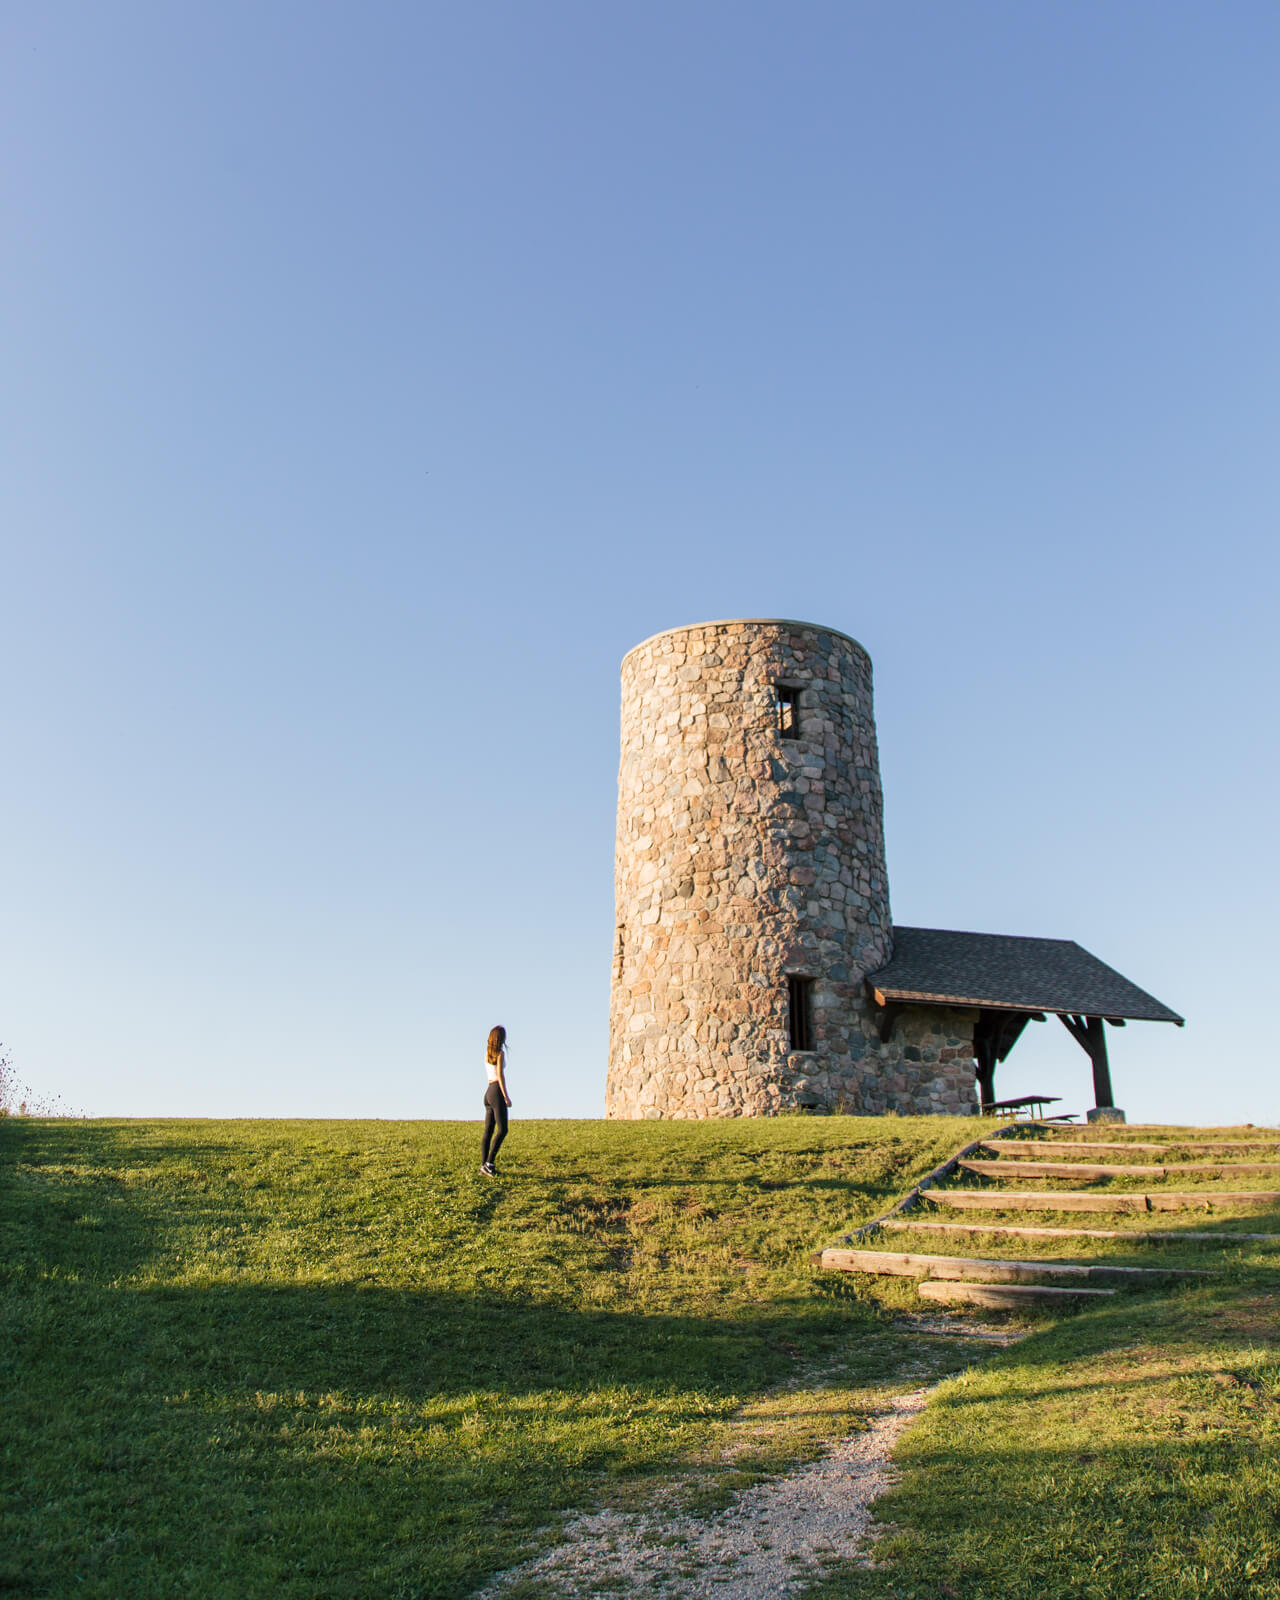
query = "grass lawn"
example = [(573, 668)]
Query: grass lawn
[(330, 1359), (1129, 1453)]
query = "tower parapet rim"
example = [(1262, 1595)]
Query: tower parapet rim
[(749, 622)]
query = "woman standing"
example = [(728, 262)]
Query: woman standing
[(496, 1101)]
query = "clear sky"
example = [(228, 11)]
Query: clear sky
[(375, 377)]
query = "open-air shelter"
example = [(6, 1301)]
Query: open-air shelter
[(1008, 981)]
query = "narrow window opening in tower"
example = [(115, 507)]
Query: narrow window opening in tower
[(800, 1012), (788, 698)]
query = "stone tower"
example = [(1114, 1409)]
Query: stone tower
[(752, 897)]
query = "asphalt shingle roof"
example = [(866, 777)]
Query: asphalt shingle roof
[(1006, 972)]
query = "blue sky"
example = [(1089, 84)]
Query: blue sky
[(375, 378)]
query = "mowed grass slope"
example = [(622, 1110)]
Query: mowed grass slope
[(1130, 1451), (303, 1359)]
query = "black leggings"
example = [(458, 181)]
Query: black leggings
[(495, 1115)]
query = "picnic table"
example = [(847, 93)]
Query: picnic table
[(1011, 1108)]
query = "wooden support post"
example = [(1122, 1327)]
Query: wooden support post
[(984, 1051), (1097, 1048), (994, 1034), (1090, 1034)]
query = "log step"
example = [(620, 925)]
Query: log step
[(1006, 1296), (969, 1229), (1031, 1147), (1056, 1169), (1081, 1169), (1230, 1149), (1074, 1200), (1169, 1142), (1206, 1199), (986, 1270)]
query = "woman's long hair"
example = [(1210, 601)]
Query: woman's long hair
[(497, 1038)]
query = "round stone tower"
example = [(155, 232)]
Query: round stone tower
[(752, 897)]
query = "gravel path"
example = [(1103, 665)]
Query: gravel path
[(773, 1539)]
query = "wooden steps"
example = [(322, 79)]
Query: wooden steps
[(1011, 1282), (1005, 1296), (1081, 1169), (985, 1270), (1140, 1236)]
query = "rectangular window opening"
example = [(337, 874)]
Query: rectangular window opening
[(800, 1012), (787, 697)]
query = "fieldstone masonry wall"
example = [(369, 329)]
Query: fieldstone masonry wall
[(927, 1065), (745, 857)]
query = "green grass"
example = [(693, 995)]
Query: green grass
[(329, 1359), (1127, 1452)]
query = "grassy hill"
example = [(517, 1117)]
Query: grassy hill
[(316, 1358), (308, 1359)]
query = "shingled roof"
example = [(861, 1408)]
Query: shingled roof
[(1007, 973)]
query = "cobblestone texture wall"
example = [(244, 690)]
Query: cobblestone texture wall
[(927, 1065), (745, 857)]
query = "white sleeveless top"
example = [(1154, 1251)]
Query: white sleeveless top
[(494, 1067)]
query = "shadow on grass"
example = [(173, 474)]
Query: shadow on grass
[(242, 1438), (76, 1242), (339, 1442)]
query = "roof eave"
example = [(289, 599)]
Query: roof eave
[(918, 997)]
